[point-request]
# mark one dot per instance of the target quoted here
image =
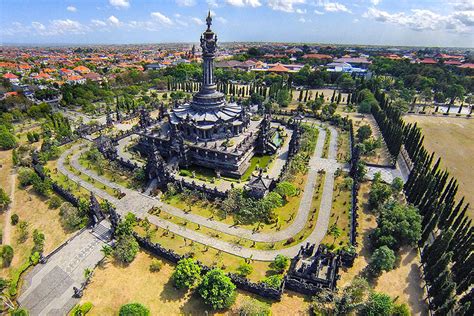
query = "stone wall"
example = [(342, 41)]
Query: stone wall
[(242, 283)]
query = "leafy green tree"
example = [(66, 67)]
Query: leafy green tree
[(186, 274), (364, 132), (134, 309), (20, 312), (217, 289), (379, 304), (365, 107), (283, 97), (126, 249), (397, 185), (285, 189), (280, 263), (335, 232), (7, 139), (352, 297), (379, 194), (383, 259), (398, 225)]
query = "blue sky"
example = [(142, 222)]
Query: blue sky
[(390, 22)]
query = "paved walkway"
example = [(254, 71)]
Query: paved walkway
[(48, 288), (139, 204)]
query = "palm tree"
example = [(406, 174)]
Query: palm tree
[(335, 232)]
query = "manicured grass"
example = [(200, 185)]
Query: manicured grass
[(209, 210), (207, 255), (327, 139), (301, 235), (340, 214), (343, 146), (256, 161), (109, 172)]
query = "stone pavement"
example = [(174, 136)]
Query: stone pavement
[(48, 288), (140, 204)]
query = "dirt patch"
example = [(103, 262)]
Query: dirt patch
[(402, 283), (136, 283), (452, 139)]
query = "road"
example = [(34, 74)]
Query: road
[(140, 204)]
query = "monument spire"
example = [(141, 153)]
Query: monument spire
[(209, 21)]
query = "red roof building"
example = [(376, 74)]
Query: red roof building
[(278, 68), (10, 76), (317, 56), (428, 61)]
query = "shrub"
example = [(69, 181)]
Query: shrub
[(186, 273), (4, 199), (379, 304), (273, 281), (20, 312), (55, 202), (244, 269), (38, 239), (23, 231), (71, 216), (6, 253), (134, 309), (253, 307), (25, 176), (126, 249), (383, 259), (7, 139), (81, 310), (14, 219), (217, 290), (280, 263), (155, 265)]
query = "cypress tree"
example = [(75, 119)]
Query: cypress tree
[(446, 307), (300, 97), (459, 219), (338, 98), (443, 296), (434, 268), (440, 282), (462, 269)]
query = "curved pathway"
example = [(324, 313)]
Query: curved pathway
[(139, 204)]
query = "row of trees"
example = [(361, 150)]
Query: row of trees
[(433, 192)]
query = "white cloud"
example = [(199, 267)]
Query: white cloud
[(68, 26), (333, 6), (375, 2), (318, 12), (197, 21), (71, 8), (38, 26), (422, 19), (113, 20), (303, 20), (284, 5), (120, 3), (467, 5), (356, 20), (186, 3), (212, 3), (300, 11), (98, 22), (244, 3), (161, 18), (221, 20)]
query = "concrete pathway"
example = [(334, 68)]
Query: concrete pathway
[(139, 204), (48, 288)]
